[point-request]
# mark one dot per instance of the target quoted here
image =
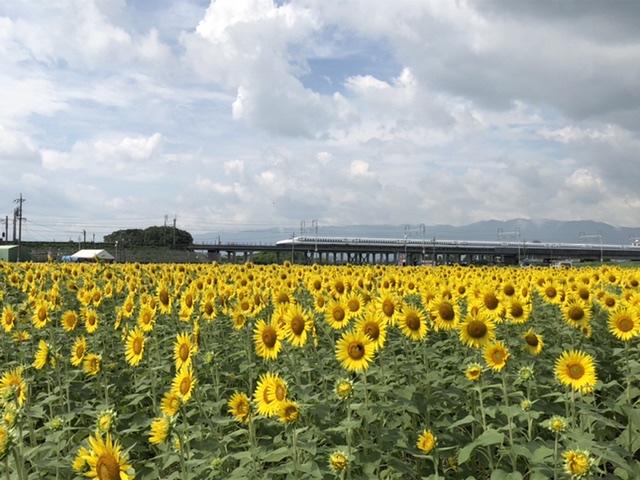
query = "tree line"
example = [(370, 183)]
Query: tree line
[(151, 236)]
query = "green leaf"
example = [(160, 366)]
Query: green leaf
[(488, 437)]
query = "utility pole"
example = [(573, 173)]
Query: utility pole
[(5, 234), (314, 224), (19, 201), (173, 243)]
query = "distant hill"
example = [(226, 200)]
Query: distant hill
[(579, 231)]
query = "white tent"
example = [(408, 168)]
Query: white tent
[(92, 255)]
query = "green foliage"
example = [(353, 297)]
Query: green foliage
[(155, 236)]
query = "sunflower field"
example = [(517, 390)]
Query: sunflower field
[(188, 372)]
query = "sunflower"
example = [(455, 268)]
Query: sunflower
[(164, 298), (336, 315), (354, 303), (426, 441), (338, 461), (69, 320), (240, 407), (496, 355), (492, 301), (160, 430), (134, 347), (576, 369), (183, 383), (41, 315), (42, 355), (624, 322), (8, 318), (550, 291), (577, 462), (78, 351), (13, 387), (264, 395), (170, 403), (106, 460), (557, 424), (444, 313), (473, 372), (268, 339), (389, 305), (129, 306), (477, 330), (607, 300), (355, 350), (106, 420), (575, 311), (92, 364), (146, 318), (374, 326), (183, 350), (90, 319), (412, 323), (298, 323), (343, 388), (288, 411), (517, 309), (533, 342)]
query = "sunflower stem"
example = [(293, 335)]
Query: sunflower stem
[(629, 402), (509, 421), (483, 416), (555, 457)]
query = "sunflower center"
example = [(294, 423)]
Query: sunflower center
[(146, 318), (107, 467), (550, 292), (91, 320), (583, 293), (297, 325), (532, 340), (281, 393), (42, 314), (625, 324), (185, 385), (208, 309), (137, 346), (320, 302), (498, 356), (575, 371), (516, 310), (164, 297), (338, 314), (282, 298), (339, 286), (610, 301), (317, 285), (490, 301), (244, 306), (388, 308), (509, 290), (269, 337), (80, 351), (372, 330), (183, 352), (477, 329), (413, 321), (576, 313), (356, 350), (446, 312), (353, 304)]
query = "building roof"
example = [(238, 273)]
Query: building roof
[(91, 254)]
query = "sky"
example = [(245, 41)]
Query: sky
[(249, 114)]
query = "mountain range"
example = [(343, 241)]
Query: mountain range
[(554, 231)]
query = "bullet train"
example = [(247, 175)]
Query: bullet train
[(311, 241)]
